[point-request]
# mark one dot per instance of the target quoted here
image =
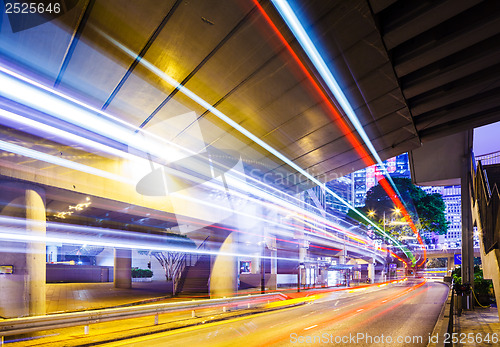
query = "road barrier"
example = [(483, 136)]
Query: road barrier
[(24, 325)]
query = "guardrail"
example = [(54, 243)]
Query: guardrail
[(24, 325), (443, 330), (489, 159)]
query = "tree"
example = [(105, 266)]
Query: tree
[(172, 260), (430, 211), (426, 210)]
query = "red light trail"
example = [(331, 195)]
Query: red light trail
[(342, 124)]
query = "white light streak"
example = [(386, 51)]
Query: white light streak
[(30, 153), (41, 127), (241, 129), (303, 38)]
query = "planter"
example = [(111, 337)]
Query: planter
[(145, 279)]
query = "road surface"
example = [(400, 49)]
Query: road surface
[(401, 314)]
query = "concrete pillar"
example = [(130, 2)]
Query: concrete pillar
[(23, 291), (467, 230), (256, 264), (371, 270), (122, 271), (343, 255), (274, 262), (302, 254), (224, 275), (273, 282), (450, 265)]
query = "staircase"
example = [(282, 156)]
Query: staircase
[(492, 175), (195, 278), (486, 216), (485, 193)]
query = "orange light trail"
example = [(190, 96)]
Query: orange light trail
[(342, 124), (351, 313)]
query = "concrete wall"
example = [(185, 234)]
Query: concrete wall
[(286, 280), (491, 270), (22, 293), (78, 273), (491, 261), (106, 258)]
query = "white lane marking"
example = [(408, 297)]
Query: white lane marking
[(361, 309), (312, 326)]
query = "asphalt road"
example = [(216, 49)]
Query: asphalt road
[(401, 314)]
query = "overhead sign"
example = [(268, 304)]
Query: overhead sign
[(458, 259)]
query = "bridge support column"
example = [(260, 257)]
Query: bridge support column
[(450, 264), (301, 270), (122, 272), (224, 275), (23, 291), (52, 254), (371, 270)]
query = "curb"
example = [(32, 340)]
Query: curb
[(441, 326), (94, 340)]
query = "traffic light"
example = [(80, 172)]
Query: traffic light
[(149, 265)]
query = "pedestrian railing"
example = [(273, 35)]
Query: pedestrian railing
[(487, 200)]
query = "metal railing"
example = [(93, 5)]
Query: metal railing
[(192, 258), (24, 325), (189, 259)]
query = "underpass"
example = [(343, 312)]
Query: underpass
[(191, 143), (406, 312)]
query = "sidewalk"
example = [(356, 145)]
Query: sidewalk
[(69, 297), (478, 323)]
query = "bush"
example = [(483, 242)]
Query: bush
[(141, 273), (481, 286)]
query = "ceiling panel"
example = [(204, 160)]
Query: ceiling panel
[(406, 82)]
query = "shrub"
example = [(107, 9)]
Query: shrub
[(141, 273)]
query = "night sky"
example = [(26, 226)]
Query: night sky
[(487, 139)]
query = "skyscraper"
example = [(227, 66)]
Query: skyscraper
[(366, 178), (453, 212)]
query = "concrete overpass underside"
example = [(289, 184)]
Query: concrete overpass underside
[(181, 116)]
